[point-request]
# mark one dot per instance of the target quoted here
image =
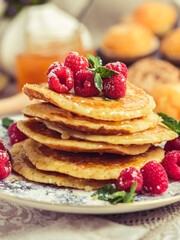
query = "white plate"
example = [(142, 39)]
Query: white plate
[(58, 199)]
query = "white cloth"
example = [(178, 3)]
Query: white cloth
[(19, 223)]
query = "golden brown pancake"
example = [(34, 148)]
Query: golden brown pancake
[(83, 165), (135, 104), (52, 113), (156, 135), (23, 166), (40, 133)]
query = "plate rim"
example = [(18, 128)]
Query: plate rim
[(92, 209)]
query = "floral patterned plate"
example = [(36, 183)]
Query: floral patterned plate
[(42, 196)]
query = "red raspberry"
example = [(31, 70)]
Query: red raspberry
[(172, 145), (2, 147), (171, 164), (4, 157), (5, 165), (15, 134), (155, 180), (76, 62), (127, 177), (115, 87), (60, 79), (118, 67), (84, 84), (54, 65)]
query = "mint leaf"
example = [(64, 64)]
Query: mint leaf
[(104, 192), (106, 72), (109, 99), (103, 71), (129, 196), (111, 193), (94, 61), (170, 122), (98, 82), (117, 197), (6, 122)]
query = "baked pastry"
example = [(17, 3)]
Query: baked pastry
[(167, 99), (159, 17), (150, 72), (127, 42), (170, 47)]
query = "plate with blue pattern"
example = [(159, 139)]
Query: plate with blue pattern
[(48, 197)]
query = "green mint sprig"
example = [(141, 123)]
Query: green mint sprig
[(6, 122), (98, 82), (94, 61), (109, 99), (99, 71), (111, 194), (170, 122)]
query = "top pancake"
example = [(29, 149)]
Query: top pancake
[(135, 104), (57, 115)]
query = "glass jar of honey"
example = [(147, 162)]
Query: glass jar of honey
[(47, 40)]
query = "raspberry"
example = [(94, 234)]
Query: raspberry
[(5, 171), (60, 79), (15, 134), (5, 165), (4, 157), (155, 180), (127, 177), (118, 67), (84, 84), (172, 145), (115, 87), (2, 147), (171, 164), (76, 62), (54, 65)]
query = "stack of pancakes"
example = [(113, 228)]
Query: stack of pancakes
[(85, 143)]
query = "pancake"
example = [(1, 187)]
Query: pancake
[(23, 166), (135, 104), (83, 165), (39, 132), (156, 135), (52, 113)]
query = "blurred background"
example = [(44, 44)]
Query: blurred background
[(143, 34)]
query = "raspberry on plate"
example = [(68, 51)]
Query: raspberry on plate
[(155, 180), (84, 84), (15, 134), (172, 145), (115, 86), (5, 165), (118, 67), (76, 62), (4, 157), (171, 164), (127, 178), (2, 147), (60, 79)]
